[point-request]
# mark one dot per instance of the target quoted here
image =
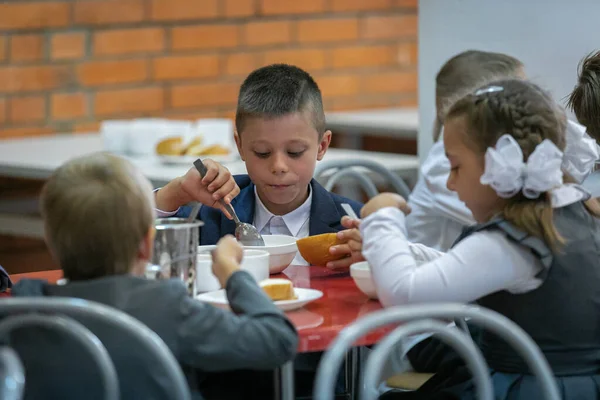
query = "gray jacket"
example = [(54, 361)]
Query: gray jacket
[(203, 338)]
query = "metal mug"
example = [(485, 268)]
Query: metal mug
[(175, 249)]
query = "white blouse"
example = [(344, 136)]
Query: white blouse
[(483, 263)]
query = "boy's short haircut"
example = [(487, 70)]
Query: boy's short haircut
[(97, 209), (277, 90), (585, 98), (467, 71)]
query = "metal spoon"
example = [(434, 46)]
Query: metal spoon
[(348, 208), (245, 233)]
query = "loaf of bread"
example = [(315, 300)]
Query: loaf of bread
[(278, 289), (172, 146), (315, 249), (193, 147)]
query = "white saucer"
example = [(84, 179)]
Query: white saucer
[(305, 296)]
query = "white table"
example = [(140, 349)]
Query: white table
[(37, 158), (390, 122)]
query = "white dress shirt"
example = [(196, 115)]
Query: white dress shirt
[(438, 216), (481, 264), (294, 223)]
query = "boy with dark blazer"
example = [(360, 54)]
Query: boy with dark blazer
[(280, 135)]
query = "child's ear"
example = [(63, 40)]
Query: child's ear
[(147, 245), (238, 143), (324, 145)]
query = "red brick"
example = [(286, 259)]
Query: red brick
[(3, 110), (3, 47), (204, 37), (414, 4), (338, 85), (26, 47), (164, 10), (86, 127), (390, 82), (103, 12), (15, 79), (241, 63), (129, 41), (389, 27), (362, 102), (363, 56), (34, 15), (185, 67), (265, 33), (68, 105), (278, 7), (328, 30), (212, 94), (310, 59), (128, 101), (112, 72), (27, 109), (8, 133), (192, 115), (67, 46), (239, 8), (360, 5), (407, 54)]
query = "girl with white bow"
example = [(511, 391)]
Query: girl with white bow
[(532, 256)]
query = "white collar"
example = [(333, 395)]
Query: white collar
[(294, 220)]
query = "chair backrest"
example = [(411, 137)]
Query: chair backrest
[(350, 167), (12, 375), (145, 366), (494, 322), (77, 333)]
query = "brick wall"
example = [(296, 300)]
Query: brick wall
[(65, 65)]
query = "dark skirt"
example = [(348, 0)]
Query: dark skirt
[(506, 387), (452, 379)]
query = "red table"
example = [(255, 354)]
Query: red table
[(319, 322)]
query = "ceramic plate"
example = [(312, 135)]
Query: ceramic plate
[(305, 296), (189, 160)]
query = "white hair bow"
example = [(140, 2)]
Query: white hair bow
[(507, 174), (581, 152)]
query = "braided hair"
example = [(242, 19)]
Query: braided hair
[(530, 115)]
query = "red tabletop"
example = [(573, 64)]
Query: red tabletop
[(319, 322)]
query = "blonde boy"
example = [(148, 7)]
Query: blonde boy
[(98, 218)]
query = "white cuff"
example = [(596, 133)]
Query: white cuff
[(161, 213)]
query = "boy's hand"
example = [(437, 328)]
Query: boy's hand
[(384, 200), (352, 248), (218, 183), (226, 258)]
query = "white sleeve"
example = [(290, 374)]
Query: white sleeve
[(435, 170), (161, 213), (483, 263)]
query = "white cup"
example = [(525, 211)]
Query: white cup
[(256, 262), (206, 281), (116, 135)]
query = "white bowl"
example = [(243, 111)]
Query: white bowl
[(361, 273), (256, 262), (281, 248)]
